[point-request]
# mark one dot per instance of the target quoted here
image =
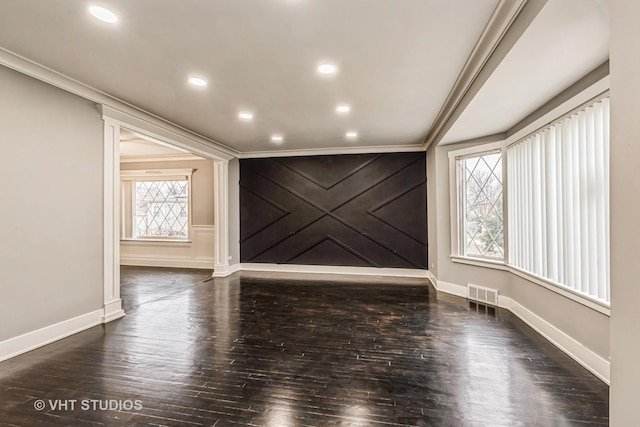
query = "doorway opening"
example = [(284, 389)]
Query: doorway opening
[(165, 202)]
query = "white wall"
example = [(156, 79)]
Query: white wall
[(625, 212), (199, 251), (51, 249)]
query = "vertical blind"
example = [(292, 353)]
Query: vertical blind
[(558, 202)]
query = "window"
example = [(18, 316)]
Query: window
[(155, 203), (559, 201), (157, 206), (480, 205)]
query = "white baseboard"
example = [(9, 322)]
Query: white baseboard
[(112, 311), (329, 269), (155, 261), (594, 363), (38, 338), (597, 365), (225, 270), (451, 288)]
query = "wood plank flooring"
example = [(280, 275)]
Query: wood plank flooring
[(271, 350)]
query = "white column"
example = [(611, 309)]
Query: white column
[(221, 217), (112, 302)]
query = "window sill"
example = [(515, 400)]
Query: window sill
[(159, 241), (480, 262), (587, 301)]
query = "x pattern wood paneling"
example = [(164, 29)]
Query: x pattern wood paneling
[(355, 210)]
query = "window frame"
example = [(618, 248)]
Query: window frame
[(457, 205), (128, 178)]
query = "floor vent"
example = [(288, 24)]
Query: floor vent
[(483, 295)]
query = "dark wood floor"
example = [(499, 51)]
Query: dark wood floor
[(269, 351)]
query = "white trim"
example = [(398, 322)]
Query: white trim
[(221, 217), (31, 340), (432, 278), (333, 151), (165, 261), (587, 358), (476, 150), (596, 364), (479, 262), (161, 241), (165, 174), (225, 271), (160, 158), (113, 310), (329, 269), (451, 288), (112, 304), (118, 107)]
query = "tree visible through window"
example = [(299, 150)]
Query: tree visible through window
[(161, 209), (482, 222)]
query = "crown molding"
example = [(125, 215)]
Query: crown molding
[(508, 22), (108, 102), (333, 151), (160, 158)]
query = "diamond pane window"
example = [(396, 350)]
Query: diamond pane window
[(480, 179), (161, 209)]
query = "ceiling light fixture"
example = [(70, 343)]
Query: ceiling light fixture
[(276, 138), (352, 135), (245, 115), (343, 108), (197, 81), (105, 15), (327, 69)]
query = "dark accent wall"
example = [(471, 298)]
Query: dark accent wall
[(366, 210)]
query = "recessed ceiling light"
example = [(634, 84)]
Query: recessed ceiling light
[(197, 81), (327, 69), (343, 108), (276, 138), (245, 115), (352, 135), (105, 15)]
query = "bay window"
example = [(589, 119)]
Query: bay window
[(556, 208)]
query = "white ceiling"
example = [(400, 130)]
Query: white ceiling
[(568, 39), (397, 62)]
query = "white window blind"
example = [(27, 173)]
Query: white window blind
[(558, 202)]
